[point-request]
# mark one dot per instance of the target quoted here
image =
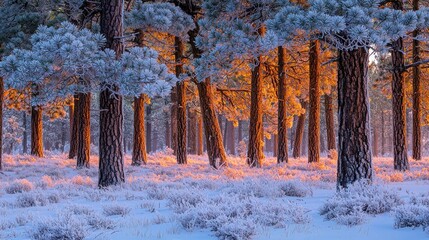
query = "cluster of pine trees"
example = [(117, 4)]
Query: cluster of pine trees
[(201, 71)]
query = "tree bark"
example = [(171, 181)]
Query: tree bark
[(354, 134), (173, 119), (37, 131), (192, 132), (398, 102), (230, 138), (375, 141), (417, 132), (74, 118), (383, 136), (200, 136), (255, 145), (139, 141), (240, 131), (282, 148), (167, 131), (111, 164), (84, 133), (149, 129), (330, 125), (1, 121), (299, 132), (314, 113), (214, 142), (25, 133), (181, 86)]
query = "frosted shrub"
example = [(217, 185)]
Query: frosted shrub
[(349, 206), (411, 216), (239, 229), (156, 193), (79, 210), (115, 210), (19, 186), (295, 189), (181, 200), (36, 199), (236, 217), (98, 221), (64, 227)]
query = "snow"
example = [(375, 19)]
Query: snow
[(46, 198)]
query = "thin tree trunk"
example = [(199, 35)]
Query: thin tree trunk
[(37, 131), (74, 118), (167, 131), (214, 143), (330, 125), (230, 138), (240, 131), (139, 155), (139, 141), (200, 135), (111, 164), (354, 134), (149, 128), (25, 134), (375, 141), (173, 120), (275, 145), (282, 153), (299, 132), (1, 121), (383, 136), (314, 113), (181, 154), (255, 145), (84, 133), (192, 132), (398, 102), (417, 131)]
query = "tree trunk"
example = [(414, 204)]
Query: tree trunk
[(230, 138), (84, 133), (330, 125), (398, 102), (282, 153), (417, 132), (139, 140), (383, 136), (255, 152), (192, 132), (200, 136), (37, 131), (214, 143), (111, 164), (25, 134), (354, 134), (74, 119), (149, 128), (314, 113), (167, 131), (299, 132), (1, 121), (375, 141), (173, 120), (181, 87), (240, 131)]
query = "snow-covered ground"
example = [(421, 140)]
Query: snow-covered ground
[(48, 198)]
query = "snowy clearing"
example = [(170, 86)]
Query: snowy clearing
[(48, 198)]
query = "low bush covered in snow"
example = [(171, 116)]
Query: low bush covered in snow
[(66, 227), (350, 206), (414, 214)]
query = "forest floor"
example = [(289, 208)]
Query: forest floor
[(48, 198)]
